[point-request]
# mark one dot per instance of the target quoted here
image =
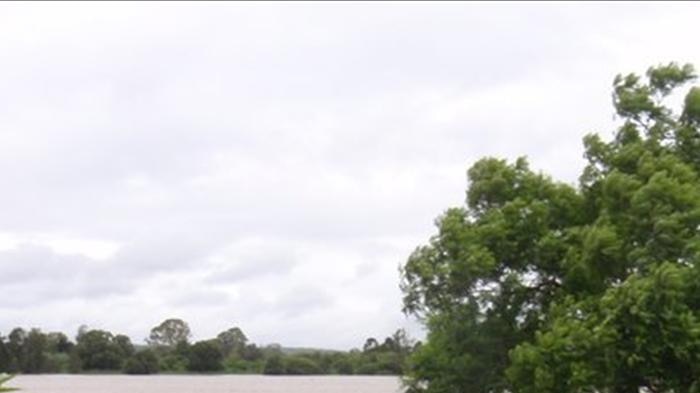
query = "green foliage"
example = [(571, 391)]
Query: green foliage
[(387, 358), (100, 350), (4, 378), (5, 356), (15, 345), (58, 362), (205, 356), (538, 286), (300, 365), (236, 365), (35, 346), (643, 333), (58, 343), (32, 352), (232, 341), (343, 366), (172, 363), (251, 353), (124, 344), (274, 365), (142, 362), (691, 112), (169, 333)]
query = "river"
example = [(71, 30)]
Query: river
[(203, 384)]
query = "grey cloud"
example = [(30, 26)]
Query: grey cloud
[(33, 274), (366, 269), (252, 268), (162, 254), (251, 258), (302, 300), (202, 297)]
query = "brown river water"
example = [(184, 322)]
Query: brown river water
[(203, 384)]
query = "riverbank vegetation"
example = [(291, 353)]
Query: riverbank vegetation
[(4, 378), (169, 350), (537, 286)]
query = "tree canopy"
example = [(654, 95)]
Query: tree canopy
[(169, 333), (232, 340), (540, 286)]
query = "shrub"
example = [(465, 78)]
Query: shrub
[(299, 365), (144, 362)]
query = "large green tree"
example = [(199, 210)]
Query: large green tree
[(5, 356), (232, 341), (142, 362), (16, 347), (101, 350), (539, 286), (170, 333), (35, 350), (205, 356)]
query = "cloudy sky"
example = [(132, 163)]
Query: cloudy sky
[(269, 166)]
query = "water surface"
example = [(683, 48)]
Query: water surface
[(203, 384)]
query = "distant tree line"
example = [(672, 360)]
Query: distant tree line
[(169, 350)]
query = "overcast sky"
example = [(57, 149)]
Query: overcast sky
[(269, 166)]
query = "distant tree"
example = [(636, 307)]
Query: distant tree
[(301, 365), (251, 353), (57, 362), (388, 345), (205, 356), (370, 344), (232, 341), (323, 360), (402, 343), (5, 356), (142, 362), (368, 368), (273, 348), (74, 362), (82, 329), (174, 359), (171, 362), (274, 365), (35, 348), (58, 343), (343, 366), (98, 350), (124, 344), (169, 333), (15, 345), (182, 348), (387, 358)]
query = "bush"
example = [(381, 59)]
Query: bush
[(343, 367), (274, 366), (144, 362), (205, 356), (236, 365), (368, 369), (173, 363), (57, 363), (299, 365), (4, 378)]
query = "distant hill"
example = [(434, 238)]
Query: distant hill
[(302, 350), (284, 350)]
